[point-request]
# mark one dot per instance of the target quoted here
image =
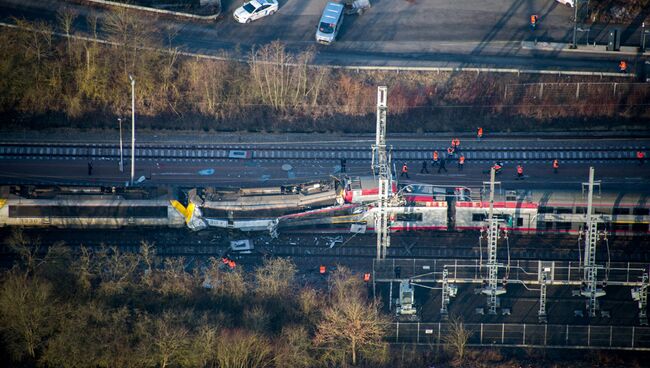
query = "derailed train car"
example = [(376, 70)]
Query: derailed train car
[(87, 207)]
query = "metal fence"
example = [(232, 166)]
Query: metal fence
[(527, 335)]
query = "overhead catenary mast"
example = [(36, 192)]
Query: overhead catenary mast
[(381, 168)]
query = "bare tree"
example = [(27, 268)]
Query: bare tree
[(167, 338), (26, 248), (27, 313), (275, 277), (230, 284), (351, 323), (457, 337), (238, 348), (280, 78), (295, 349), (115, 269), (66, 18)]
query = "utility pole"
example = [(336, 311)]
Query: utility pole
[(121, 149), (492, 290), (590, 276), (543, 280), (574, 45), (640, 294), (132, 128), (381, 166)]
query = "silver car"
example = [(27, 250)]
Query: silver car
[(330, 23)]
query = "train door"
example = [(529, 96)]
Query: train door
[(451, 210)]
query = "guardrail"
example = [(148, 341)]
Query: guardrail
[(159, 11), (527, 335)]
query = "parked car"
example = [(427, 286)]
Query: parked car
[(255, 9), (569, 3), (330, 23)]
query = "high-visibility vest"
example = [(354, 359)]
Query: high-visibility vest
[(496, 167), (533, 20), (640, 154), (366, 277), (405, 168), (461, 160), (520, 170), (321, 269), (231, 264), (457, 142), (435, 155), (622, 65), (480, 132), (556, 164), (450, 150)]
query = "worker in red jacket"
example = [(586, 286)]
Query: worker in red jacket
[(556, 165), (520, 172), (405, 171)]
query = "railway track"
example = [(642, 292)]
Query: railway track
[(202, 152), (451, 246)]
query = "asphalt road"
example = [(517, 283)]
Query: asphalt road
[(397, 33)]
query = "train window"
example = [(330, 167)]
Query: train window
[(549, 225), (602, 211), (620, 227), (545, 210), (563, 210), (620, 211), (581, 210), (640, 228), (641, 211), (563, 226), (520, 221), (409, 217), (478, 217)]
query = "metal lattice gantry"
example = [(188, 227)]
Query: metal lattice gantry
[(640, 294), (381, 167), (590, 289), (492, 290), (543, 280)]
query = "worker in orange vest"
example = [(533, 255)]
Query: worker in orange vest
[(479, 134), (453, 143), (405, 171), (366, 277), (520, 172), (461, 162), (231, 264), (457, 144), (450, 152), (556, 165), (497, 167), (533, 21), (622, 66), (436, 159), (640, 155)]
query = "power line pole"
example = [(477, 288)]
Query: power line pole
[(590, 275), (121, 149), (574, 45), (132, 128), (492, 290), (381, 166)]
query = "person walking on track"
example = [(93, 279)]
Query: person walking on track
[(442, 166), (90, 168), (405, 171), (556, 165), (436, 159), (424, 167), (461, 162), (622, 66), (520, 172), (640, 156), (479, 134)]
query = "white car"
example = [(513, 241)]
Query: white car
[(570, 3), (255, 9)]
